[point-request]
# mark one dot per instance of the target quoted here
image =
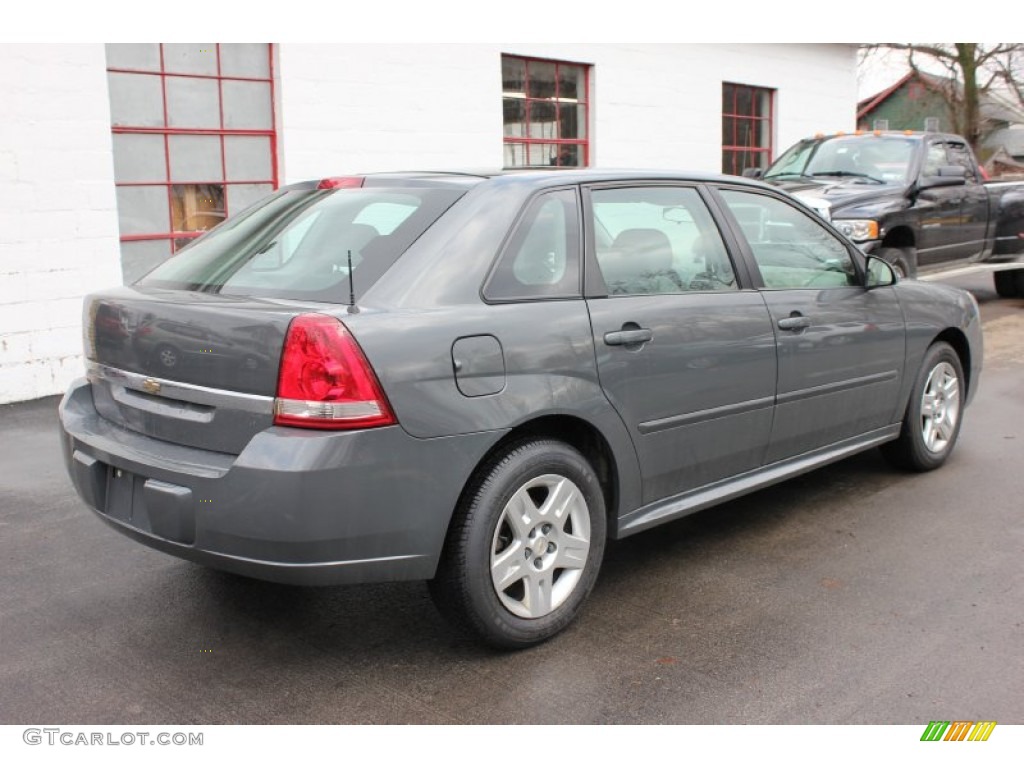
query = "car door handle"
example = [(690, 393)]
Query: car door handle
[(794, 322), (627, 338)]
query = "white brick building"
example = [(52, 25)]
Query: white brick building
[(112, 157)]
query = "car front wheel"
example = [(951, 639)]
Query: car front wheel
[(525, 546), (931, 424)]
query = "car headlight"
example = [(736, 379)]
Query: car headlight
[(858, 230)]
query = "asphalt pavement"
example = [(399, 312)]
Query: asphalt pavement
[(856, 594)]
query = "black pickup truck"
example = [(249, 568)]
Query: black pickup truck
[(918, 200)]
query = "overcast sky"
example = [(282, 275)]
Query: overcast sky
[(879, 71)]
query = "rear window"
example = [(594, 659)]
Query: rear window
[(298, 244)]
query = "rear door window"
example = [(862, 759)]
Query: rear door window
[(655, 240)]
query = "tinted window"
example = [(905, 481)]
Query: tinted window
[(542, 258), (300, 244), (791, 248), (658, 240), (934, 159), (960, 155)]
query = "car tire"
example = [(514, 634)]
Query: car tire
[(932, 420), (1009, 283), (902, 260), (525, 546)]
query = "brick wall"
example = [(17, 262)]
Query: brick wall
[(58, 219)]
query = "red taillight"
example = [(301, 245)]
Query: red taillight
[(325, 381), (341, 182)]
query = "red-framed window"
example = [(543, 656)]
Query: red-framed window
[(546, 107), (747, 127), (194, 140)]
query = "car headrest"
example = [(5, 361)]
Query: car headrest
[(644, 250)]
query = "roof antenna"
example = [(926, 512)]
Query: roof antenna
[(352, 308)]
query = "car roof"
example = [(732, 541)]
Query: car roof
[(539, 177)]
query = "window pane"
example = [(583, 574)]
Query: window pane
[(729, 131), (513, 75), (762, 130), (744, 135), (241, 196), (191, 58), (569, 155), (541, 79), (935, 157), (196, 207), (136, 100), (542, 120), (959, 155), (139, 157), (195, 158), (572, 121), (247, 105), (791, 248), (515, 116), (192, 103), (728, 98), (542, 154), (248, 158), (542, 258), (572, 82), (245, 60), (656, 240), (744, 103), (762, 103), (144, 56), (140, 256), (142, 210)]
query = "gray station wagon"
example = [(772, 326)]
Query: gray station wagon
[(478, 379)]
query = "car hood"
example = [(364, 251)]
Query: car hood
[(839, 194)]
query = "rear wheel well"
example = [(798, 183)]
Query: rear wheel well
[(571, 430), (956, 339)]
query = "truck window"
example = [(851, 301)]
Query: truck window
[(934, 159), (960, 154)]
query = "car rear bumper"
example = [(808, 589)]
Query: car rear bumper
[(295, 506)]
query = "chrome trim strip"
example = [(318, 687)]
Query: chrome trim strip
[(177, 390), (838, 386), (657, 425)]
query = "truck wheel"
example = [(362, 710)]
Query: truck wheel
[(1009, 283), (902, 260), (525, 546), (931, 424)]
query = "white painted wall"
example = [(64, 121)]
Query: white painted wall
[(355, 108), (58, 218)]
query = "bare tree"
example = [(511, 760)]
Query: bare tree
[(972, 71)]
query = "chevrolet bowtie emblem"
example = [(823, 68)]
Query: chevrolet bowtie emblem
[(151, 385)]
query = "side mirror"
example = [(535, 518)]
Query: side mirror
[(752, 173), (879, 273), (947, 176)]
